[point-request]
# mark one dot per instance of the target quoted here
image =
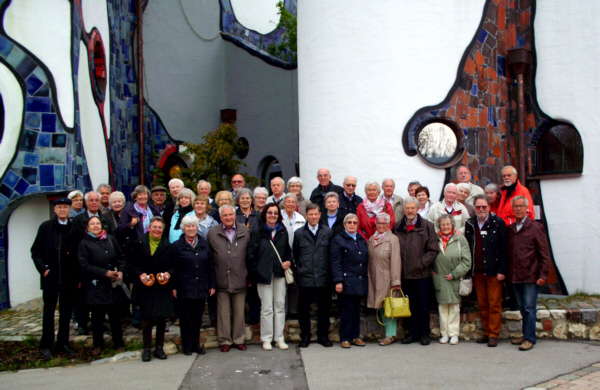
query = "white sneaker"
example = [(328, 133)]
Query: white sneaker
[(444, 340), (267, 346), (453, 340), (281, 344)]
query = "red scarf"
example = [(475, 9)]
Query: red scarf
[(446, 237)]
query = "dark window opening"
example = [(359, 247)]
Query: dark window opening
[(269, 168), (560, 151)]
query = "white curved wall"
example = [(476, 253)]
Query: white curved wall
[(568, 87), (23, 278), (258, 15), (364, 68), (44, 28), (92, 133), (12, 98), (95, 15)]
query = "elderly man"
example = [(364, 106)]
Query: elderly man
[(529, 261), (229, 242), (159, 198), (349, 201), (487, 237), (450, 205), (55, 258), (277, 187), (334, 217), (419, 248), (237, 183), (325, 186), (388, 186), (175, 185), (463, 174), (513, 188), (311, 252), (412, 187), (104, 190), (92, 203)]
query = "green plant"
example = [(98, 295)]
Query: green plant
[(215, 160), (157, 173), (287, 49)]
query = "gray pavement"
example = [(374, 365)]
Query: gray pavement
[(464, 366)]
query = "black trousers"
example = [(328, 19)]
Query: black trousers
[(190, 321), (418, 293), (81, 309), (65, 302), (306, 295), (161, 327), (253, 302), (349, 316), (212, 307), (114, 318)]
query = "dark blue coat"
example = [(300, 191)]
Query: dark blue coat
[(195, 269), (349, 260)]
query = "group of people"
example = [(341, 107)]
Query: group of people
[(238, 247)]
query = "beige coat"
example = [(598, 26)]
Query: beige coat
[(384, 268)]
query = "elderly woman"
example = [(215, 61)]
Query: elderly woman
[(196, 281), (116, 203), (269, 255), (348, 256), (464, 190), (370, 207), (384, 271), (494, 194), (76, 203), (334, 217), (201, 209), (452, 263), (245, 213), (295, 186), (152, 265), (412, 188), (260, 198), (222, 197), (185, 200), (100, 262), (135, 218), (422, 195)]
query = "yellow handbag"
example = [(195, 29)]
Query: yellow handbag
[(394, 307)]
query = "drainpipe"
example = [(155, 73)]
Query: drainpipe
[(140, 79), (519, 61)]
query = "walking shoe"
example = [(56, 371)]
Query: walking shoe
[(304, 342), (425, 340), (267, 346), (518, 341), (324, 341), (408, 340), (187, 351), (66, 349), (146, 355), (281, 344), (493, 342), (483, 339), (198, 349), (358, 342), (526, 345), (387, 341), (160, 353), (46, 354), (444, 340), (240, 347), (345, 344), (453, 340), (225, 348)]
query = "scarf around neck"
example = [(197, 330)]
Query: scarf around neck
[(183, 211), (153, 243), (374, 208), (446, 237), (377, 237), (146, 216), (102, 236)]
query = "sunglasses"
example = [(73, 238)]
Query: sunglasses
[(481, 207), (272, 213), (351, 223)]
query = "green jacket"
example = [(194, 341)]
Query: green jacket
[(452, 260)]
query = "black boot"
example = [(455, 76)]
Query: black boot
[(160, 353), (146, 355)]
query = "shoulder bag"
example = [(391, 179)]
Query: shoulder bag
[(466, 284), (289, 275), (394, 307)]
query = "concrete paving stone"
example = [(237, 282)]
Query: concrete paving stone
[(569, 377), (580, 373)]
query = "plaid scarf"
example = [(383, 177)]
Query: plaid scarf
[(146, 216), (446, 237), (377, 237)]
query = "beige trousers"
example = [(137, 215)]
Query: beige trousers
[(226, 304), (449, 319), (272, 309)]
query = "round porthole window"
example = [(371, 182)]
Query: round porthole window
[(438, 143)]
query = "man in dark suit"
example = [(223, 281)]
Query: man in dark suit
[(325, 186)]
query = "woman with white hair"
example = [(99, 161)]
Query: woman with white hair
[(493, 192), (135, 218), (452, 263), (260, 198), (185, 200), (76, 203), (464, 190), (295, 186), (116, 204), (370, 207), (196, 281)]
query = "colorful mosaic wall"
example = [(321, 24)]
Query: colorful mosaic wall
[(255, 42)]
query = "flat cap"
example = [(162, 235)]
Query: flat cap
[(158, 188), (61, 201)]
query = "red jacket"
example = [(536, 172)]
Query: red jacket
[(505, 210), (528, 252), (366, 224)]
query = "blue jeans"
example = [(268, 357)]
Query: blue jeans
[(526, 294), (349, 317)]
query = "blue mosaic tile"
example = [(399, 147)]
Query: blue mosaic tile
[(37, 104), (59, 140), (15, 56), (5, 47), (44, 140), (474, 90), (482, 35), (21, 186), (28, 140), (32, 190), (31, 160), (43, 91), (11, 179), (7, 192), (29, 174), (46, 175), (501, 69), (33, 120), (33, 84), (26, 66), (49, 123)]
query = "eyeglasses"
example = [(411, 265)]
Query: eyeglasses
[(237, 181), (352, 223), (481, 207), (519, 206), (272, 213), (381, 223), (294, 186), (349, 185)]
